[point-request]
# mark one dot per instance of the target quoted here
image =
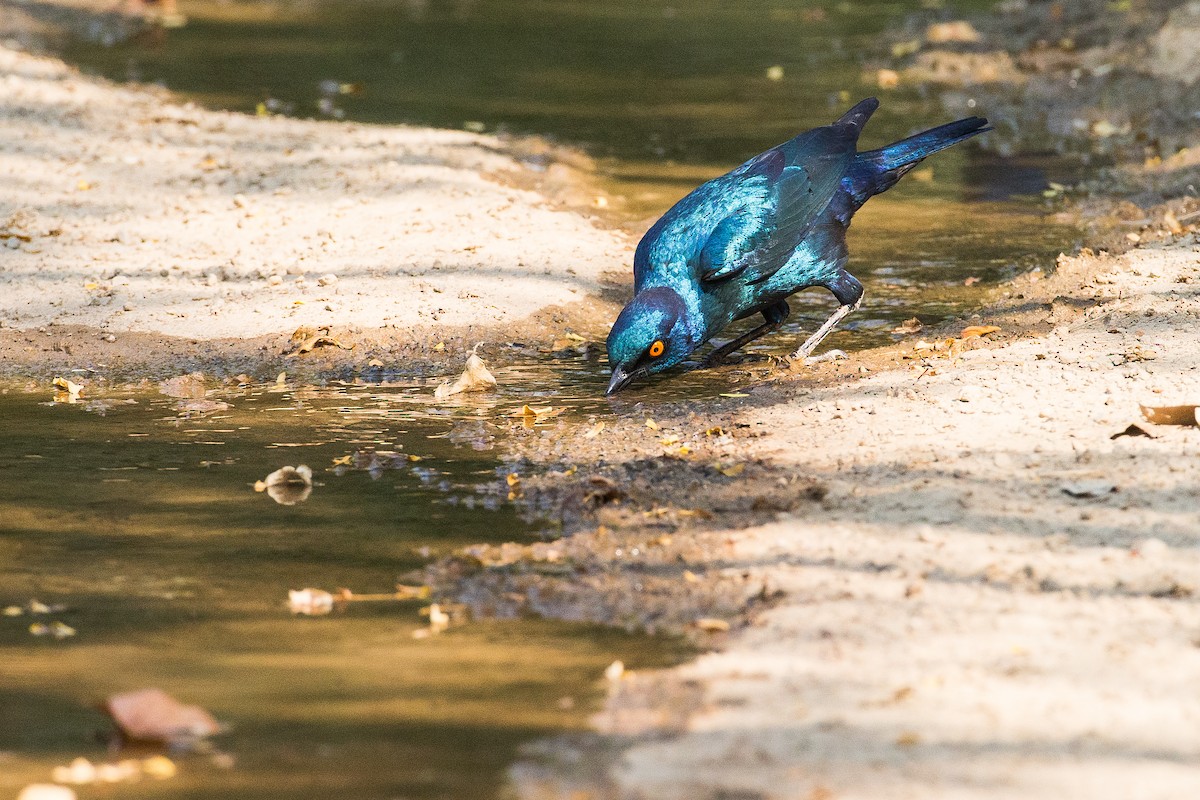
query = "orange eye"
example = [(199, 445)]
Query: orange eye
[(656, 349)]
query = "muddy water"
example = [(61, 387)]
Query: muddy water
[(143, 521)]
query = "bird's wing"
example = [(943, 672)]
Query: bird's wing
[(755, 241)]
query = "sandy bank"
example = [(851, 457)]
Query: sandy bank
[(994, 597), (124, 212)]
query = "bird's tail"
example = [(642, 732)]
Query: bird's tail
[(875, 171)]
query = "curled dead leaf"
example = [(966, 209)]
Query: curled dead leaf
[(287, 485), (476, 377), (909, 326), (71, 388)]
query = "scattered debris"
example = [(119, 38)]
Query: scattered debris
[(287, 485), (909, 326), (475, 378), (152, 715)]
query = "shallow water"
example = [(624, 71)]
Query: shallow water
[(143, 521)]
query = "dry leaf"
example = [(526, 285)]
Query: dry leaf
[(977, 330), (651, 424), (712, 625), (475, 378), (310, 602), (731, 471), (971, 280), (908, 739), (287, 485), (1172, 415), (70, 388), (912, 325), (595, 431), (1172, 222), (152, 715)]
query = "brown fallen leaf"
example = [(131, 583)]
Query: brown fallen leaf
[(1172, 222), (971, 280), (977, 330), (912, 325), (1172, 415), (152, 715), (476, 377)]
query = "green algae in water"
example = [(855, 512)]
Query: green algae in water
[(144, 523)]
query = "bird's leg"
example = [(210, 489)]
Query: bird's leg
[(811, 343), (849, 293), (774, 316)]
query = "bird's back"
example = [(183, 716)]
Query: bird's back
[(772, 201)]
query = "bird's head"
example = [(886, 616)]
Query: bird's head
[(650, 335)]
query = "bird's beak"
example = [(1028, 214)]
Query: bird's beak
[(620, 379)]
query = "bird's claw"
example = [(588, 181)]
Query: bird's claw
[(829, 355)]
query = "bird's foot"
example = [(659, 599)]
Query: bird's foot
[(829, 355)]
